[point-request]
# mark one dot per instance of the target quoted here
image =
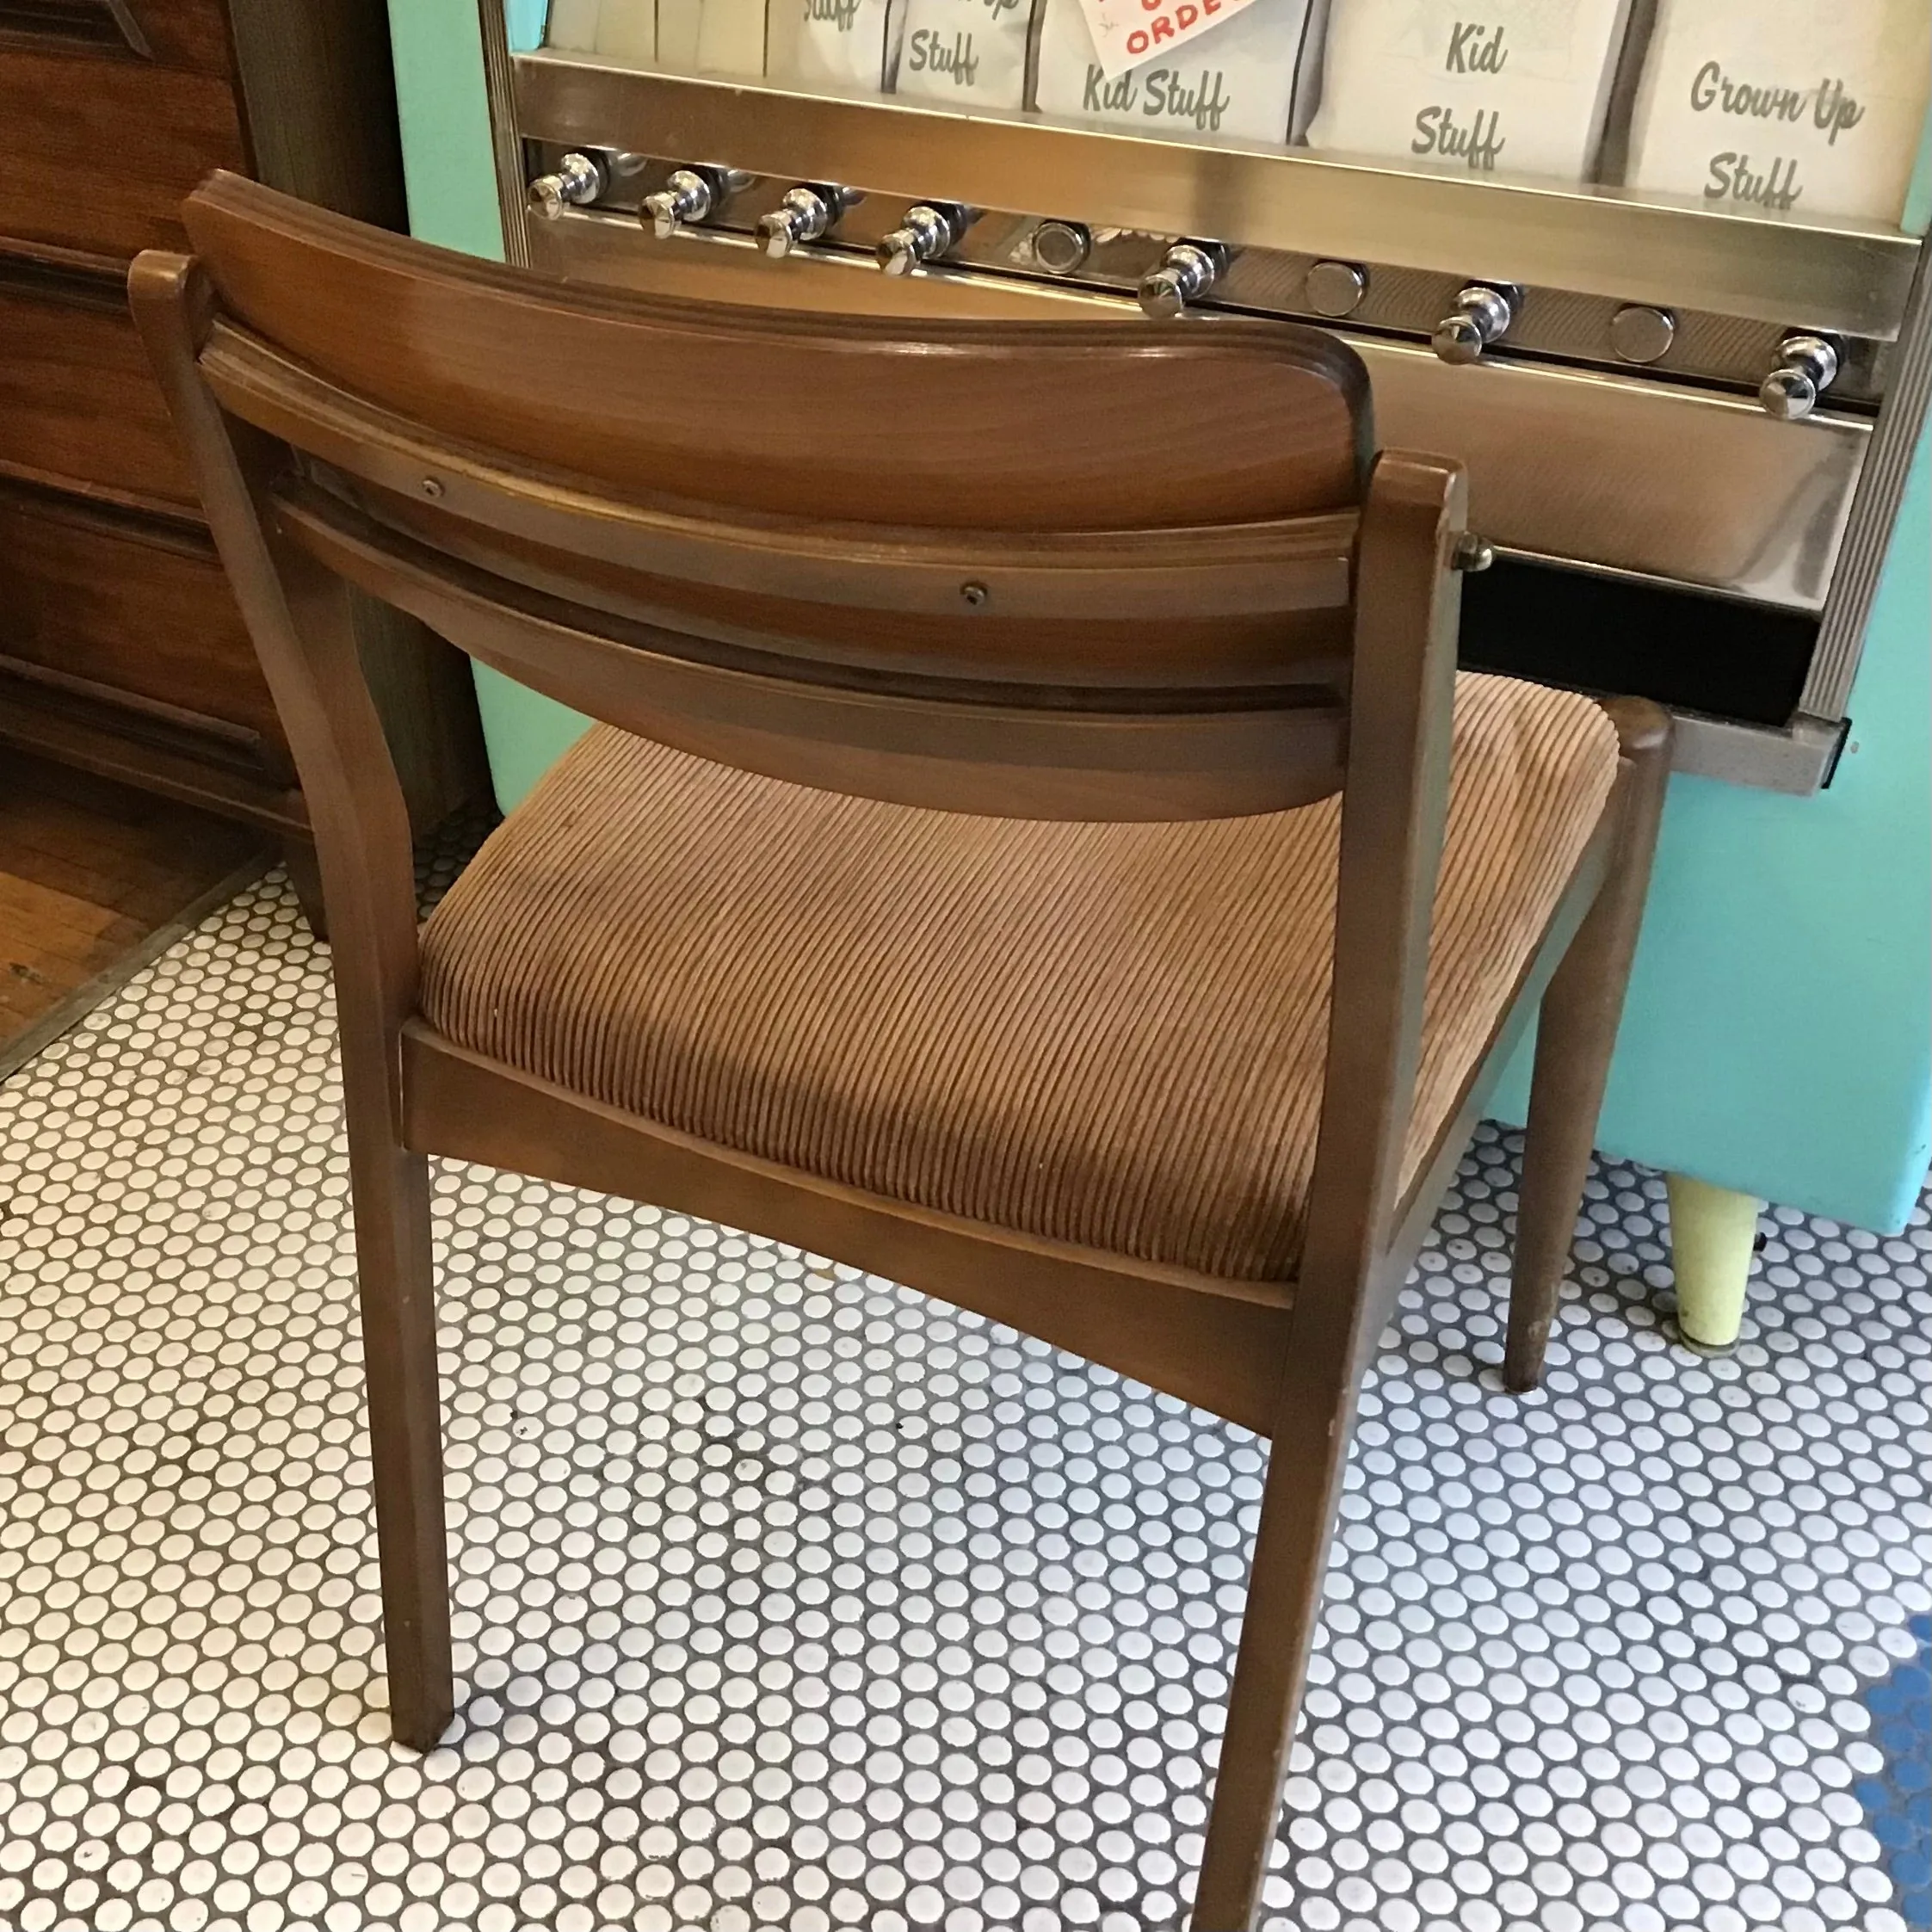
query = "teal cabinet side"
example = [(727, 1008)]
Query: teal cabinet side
[(1778, 1037), (526, 19), (1918, 203), (450, 165)]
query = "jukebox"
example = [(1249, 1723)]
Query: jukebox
[(1651, 268)]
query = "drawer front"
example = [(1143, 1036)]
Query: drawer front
[(117, 603), (187, 34), (96, 153), (78, 403)]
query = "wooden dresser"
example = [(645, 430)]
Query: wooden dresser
[(122, 649)]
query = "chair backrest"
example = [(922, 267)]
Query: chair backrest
[(1057, 571), (1064, 569)]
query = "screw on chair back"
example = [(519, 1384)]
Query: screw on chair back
[(1050, 572)]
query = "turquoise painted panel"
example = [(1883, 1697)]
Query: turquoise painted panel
[(525, 732), (450, 165), (444, 107), (1779, 1036), (1919, 202)]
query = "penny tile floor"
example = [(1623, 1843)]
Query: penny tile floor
[(787, 1599)]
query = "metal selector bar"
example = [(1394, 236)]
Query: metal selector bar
[(1839, 278)]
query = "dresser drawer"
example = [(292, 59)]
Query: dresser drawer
[(188, 33), (110, 600), (97, 151), (78, 403)]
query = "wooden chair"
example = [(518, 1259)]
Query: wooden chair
[(1011, 732)]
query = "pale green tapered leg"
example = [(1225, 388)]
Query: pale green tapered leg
[(1713, 1233)]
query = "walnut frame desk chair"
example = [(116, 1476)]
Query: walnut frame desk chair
[(957, 890)]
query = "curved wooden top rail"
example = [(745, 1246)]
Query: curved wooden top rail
[(944, 423)]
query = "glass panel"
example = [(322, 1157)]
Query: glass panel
[(573, 25)]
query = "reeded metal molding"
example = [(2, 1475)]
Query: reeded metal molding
[(1874, 513), (506, 143)]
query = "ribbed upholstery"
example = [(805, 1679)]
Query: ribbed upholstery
[(1111, 1034)]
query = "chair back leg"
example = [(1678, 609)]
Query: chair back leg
[(398, 1291), (1575, 1034)]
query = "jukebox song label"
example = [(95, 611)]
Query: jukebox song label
[(1130, 33), (1783, 106)]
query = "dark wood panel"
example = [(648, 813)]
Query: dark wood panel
[(190, 33), (96, 154), (35, 720), (78, 402), (320, 95), (121, 652), (127, 606)]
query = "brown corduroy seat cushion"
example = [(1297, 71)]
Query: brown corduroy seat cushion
[(1110, 1034)]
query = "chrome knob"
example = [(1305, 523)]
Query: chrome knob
[(1336, 288), (689, 195), (577, 179), (1808, 367), (1184, 274), (929, 230), (803, 214), (1483, 315), (1061, 247)]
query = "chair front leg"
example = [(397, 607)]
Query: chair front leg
[(1305, 1471)]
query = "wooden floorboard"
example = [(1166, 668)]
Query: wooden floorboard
[(89, 871)]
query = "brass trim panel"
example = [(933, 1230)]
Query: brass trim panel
[(1684, 484), (1798, 761), (1846, 278)]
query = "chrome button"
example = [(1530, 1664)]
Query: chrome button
[(1062, 247), (803, 214), (1336, 288), (690, 194), (1642, 335)]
